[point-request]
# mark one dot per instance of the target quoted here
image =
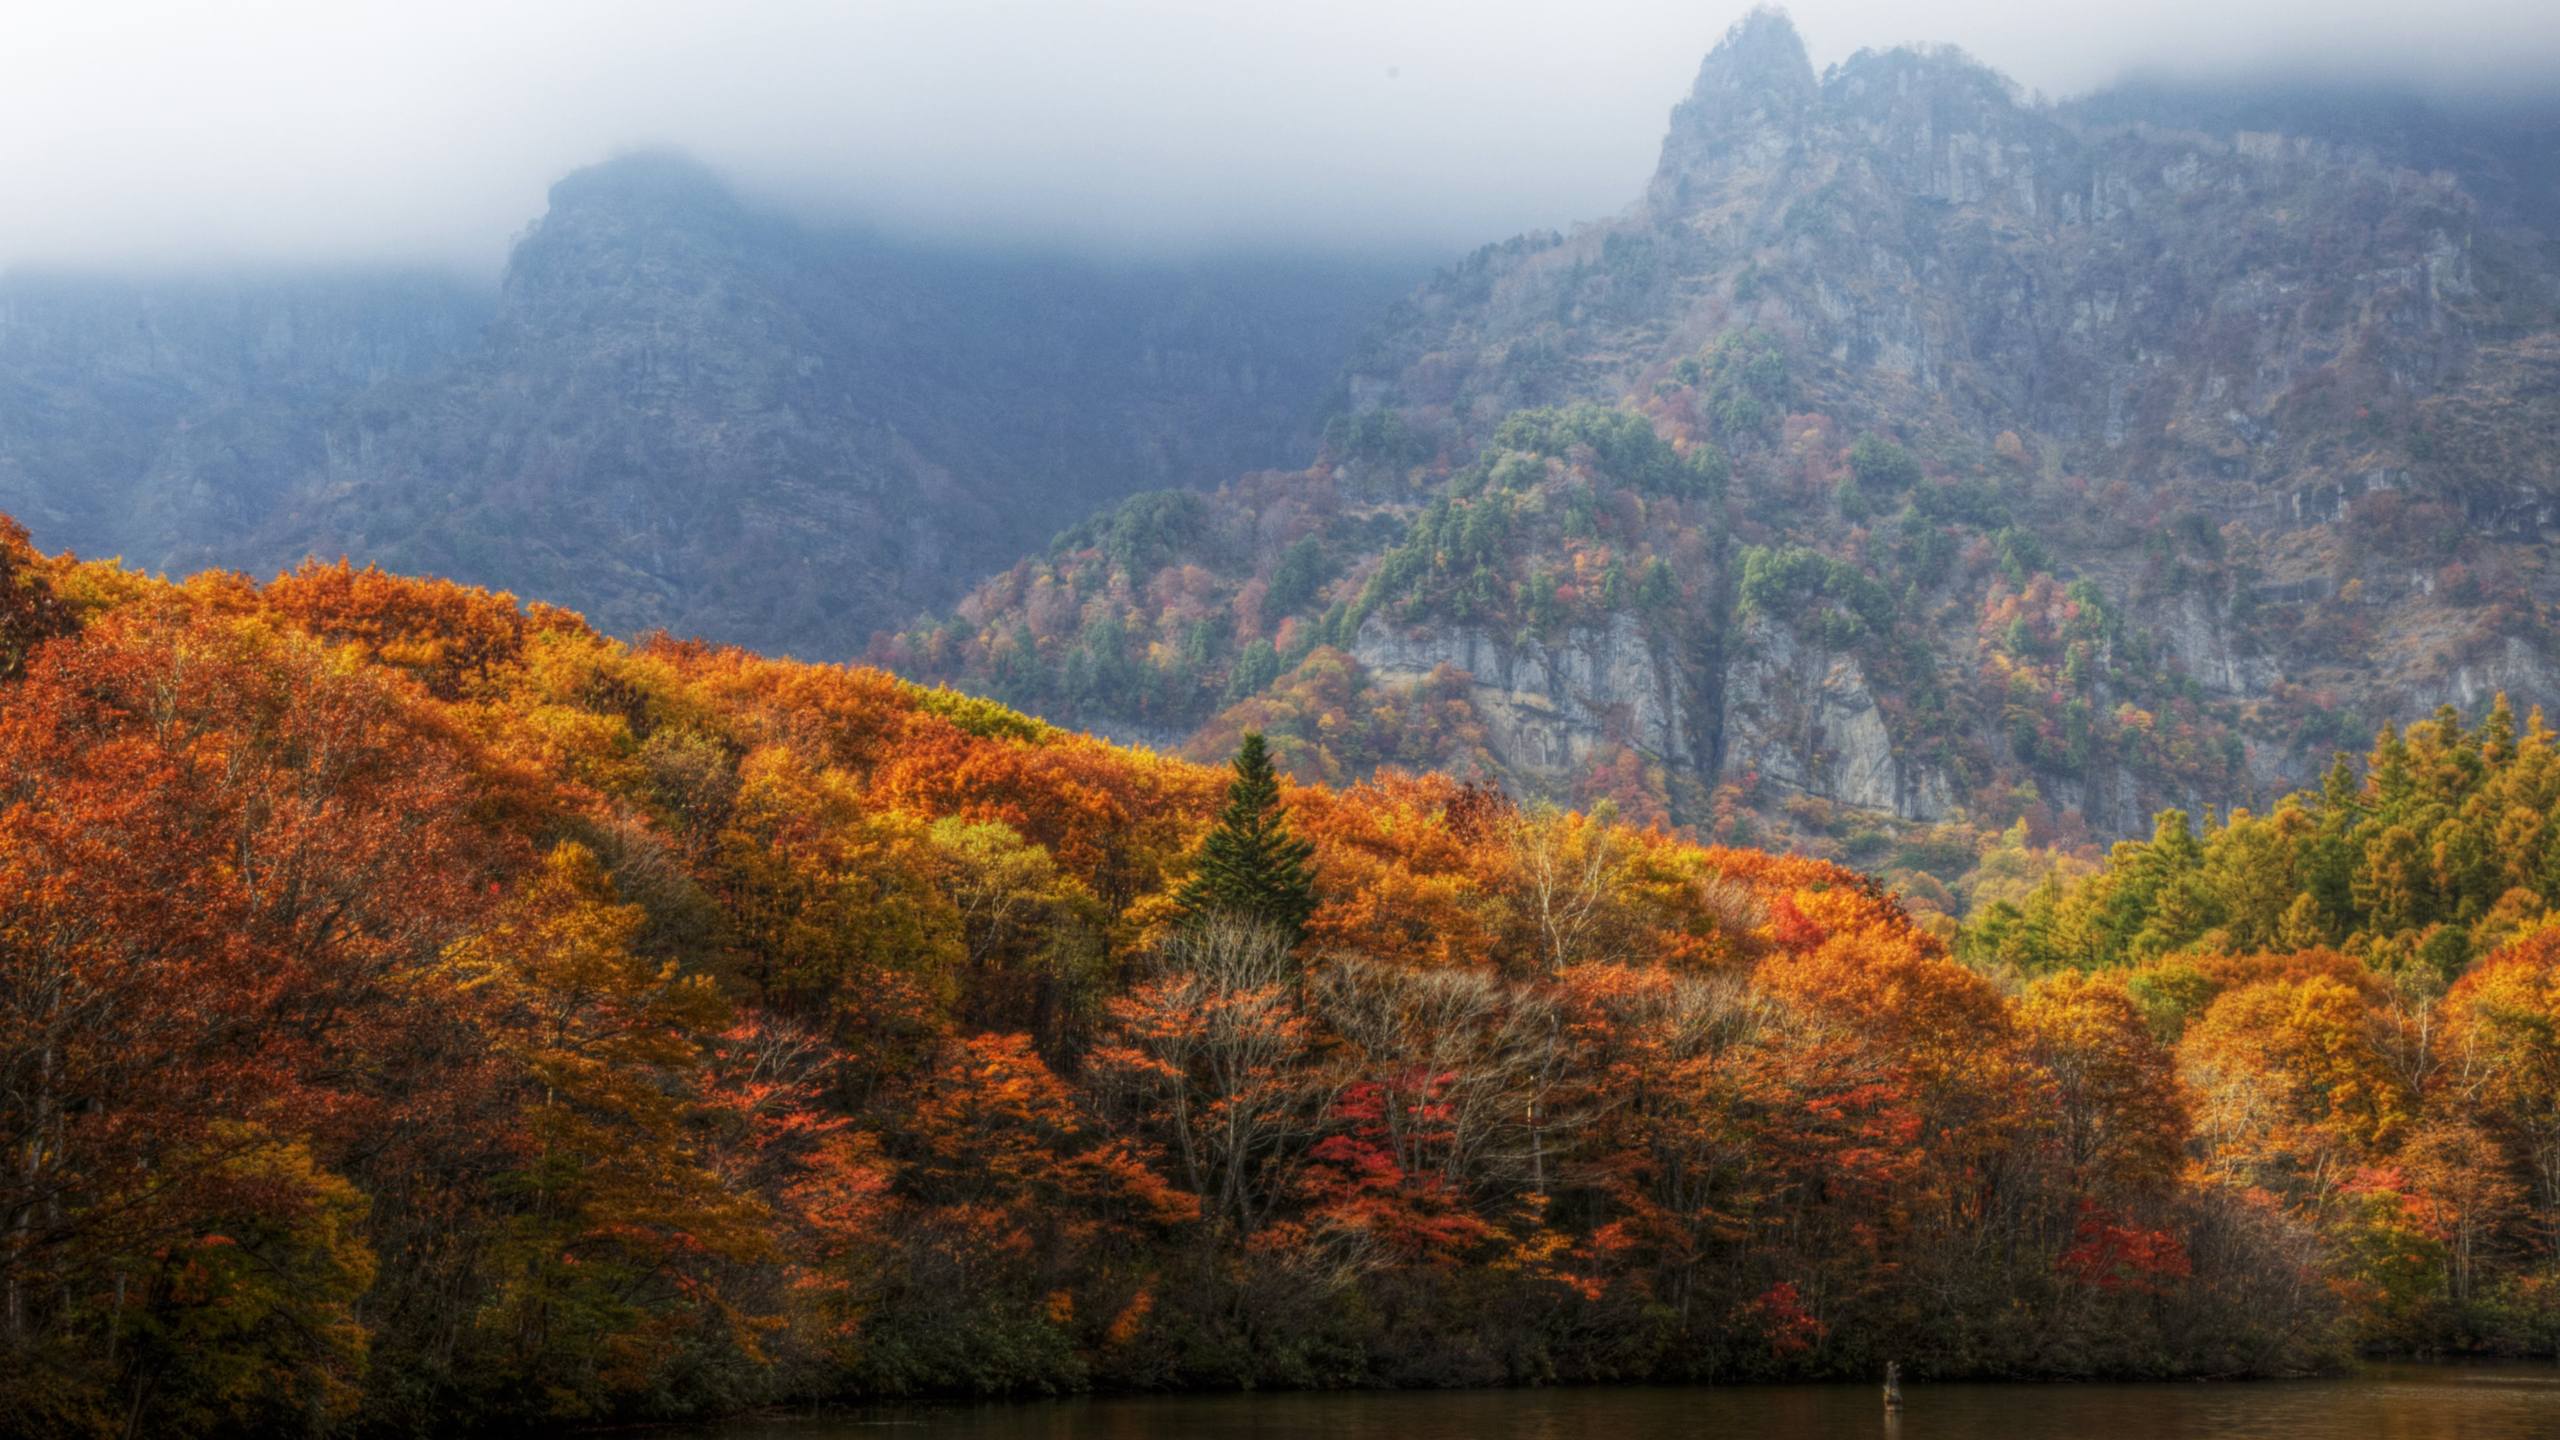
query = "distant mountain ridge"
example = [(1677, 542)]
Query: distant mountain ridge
[(149, 417), (677, 411)]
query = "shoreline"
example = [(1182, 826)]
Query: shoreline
[(921, 1411)]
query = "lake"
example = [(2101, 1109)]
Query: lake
[(2394, 1402)]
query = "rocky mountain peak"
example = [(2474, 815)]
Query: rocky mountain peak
[(639, 242), (648, 202), (1753, 94), (1761, 54), (1939, 125), (663, 183), (1927, 121)]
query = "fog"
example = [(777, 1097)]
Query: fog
[(339, 131)]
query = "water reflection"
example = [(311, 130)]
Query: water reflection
[(2411, 1402)]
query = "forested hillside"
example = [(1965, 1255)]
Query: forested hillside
[(1912, 460), (419, 1013), (2360, 984)]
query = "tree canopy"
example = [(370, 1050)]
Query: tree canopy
[(420, 1012)]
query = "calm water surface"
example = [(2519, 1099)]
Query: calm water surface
[(2416, 1402)]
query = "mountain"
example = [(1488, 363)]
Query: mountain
[(1910, 454), (678, 410)]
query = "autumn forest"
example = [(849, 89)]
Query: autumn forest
[(421, 1012)]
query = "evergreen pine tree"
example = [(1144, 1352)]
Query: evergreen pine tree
[(2303, 927), (1250, 865), (2498, 733), (2387, 771), (2341, 797), (2329, 857)]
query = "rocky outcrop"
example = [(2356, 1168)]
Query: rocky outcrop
[(2200, 635), (2516, 668), (1792, 715), (1802, 717), (1548, 707), (1747, 112)]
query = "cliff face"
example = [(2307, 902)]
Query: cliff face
[(1801, 717), (1779, 711), (2093, 458), (1550, 706), (677, 410)]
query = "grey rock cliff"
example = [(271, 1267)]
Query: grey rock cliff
[(1802, 717), (1547, 707), (1784, 712)]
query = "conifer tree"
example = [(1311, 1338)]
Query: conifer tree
[(1250, 865), (2498, 733), (2387, 771)]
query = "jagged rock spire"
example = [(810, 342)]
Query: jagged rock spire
[(1752, 96), (1762, 51)]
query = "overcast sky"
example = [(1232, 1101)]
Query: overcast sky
[(334, 130)]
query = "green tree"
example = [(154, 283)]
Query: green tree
[(1295, 579), (1250, 865), (1882, 467)]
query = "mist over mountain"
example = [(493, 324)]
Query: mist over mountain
[(158, 417), (141, 134), (2500, 144)]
